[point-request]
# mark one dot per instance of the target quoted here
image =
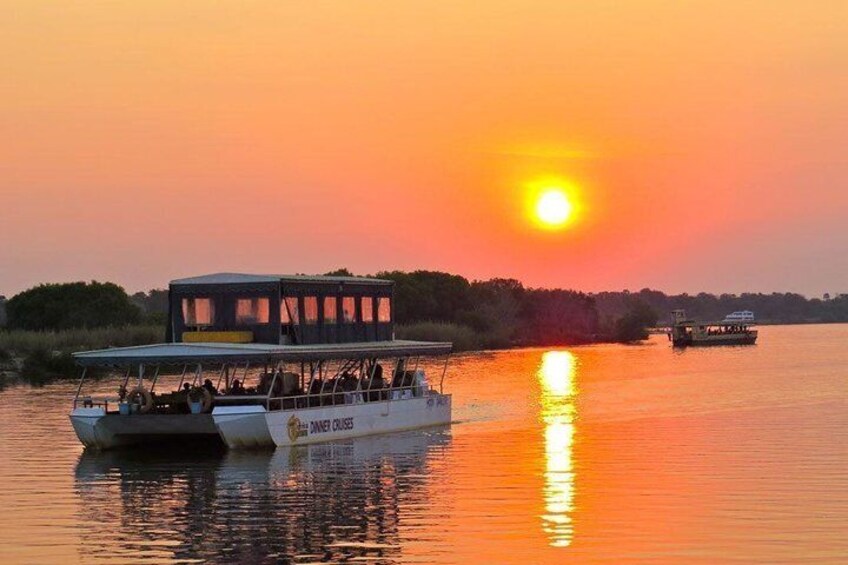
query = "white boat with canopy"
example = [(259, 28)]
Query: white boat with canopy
[(258, 360), (259, 395)]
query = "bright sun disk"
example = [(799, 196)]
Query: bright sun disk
[(553, 209)]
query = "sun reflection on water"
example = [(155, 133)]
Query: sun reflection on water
[(557, 375)]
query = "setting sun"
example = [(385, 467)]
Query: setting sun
[(553, 208)]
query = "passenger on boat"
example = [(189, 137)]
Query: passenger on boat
[(291, 387), (291, 384), (349, 385), (375, 385), (186, 387), (397, 378), (207, 384), (329, 394), (264, 385), (236, 388), (326, 389), (314, 390), (348, 382), (402, 378)]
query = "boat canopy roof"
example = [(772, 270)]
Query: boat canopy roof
[(182, 353), (242, 278), (722, 323)]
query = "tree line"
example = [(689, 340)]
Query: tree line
[(497, 312)]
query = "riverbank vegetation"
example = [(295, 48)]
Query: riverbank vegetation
[(48, 322), (41, 356)]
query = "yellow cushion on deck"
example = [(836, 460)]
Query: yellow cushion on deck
[(218, 337)]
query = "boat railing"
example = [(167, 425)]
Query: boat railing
[(95, 402), (341, 397)]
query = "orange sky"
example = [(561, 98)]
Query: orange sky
[(143, 141)]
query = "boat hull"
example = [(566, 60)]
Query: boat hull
[(243, 427), (98, 430), (330, 423), (716, 340)]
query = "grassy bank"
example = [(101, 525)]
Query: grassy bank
[(464, 337), (39, 357), (21, 342)]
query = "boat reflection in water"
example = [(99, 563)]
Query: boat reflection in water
[(324, 501), (557, 376)]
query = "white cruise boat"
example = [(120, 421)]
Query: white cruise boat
[(334, 372)]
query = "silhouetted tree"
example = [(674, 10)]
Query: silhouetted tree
[(71, 305), (634, 324)]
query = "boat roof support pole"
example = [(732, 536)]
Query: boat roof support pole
[(271, 390), (444, 370), (155, 378), (127, 378), (79, 387), (361, 374), (182, 377), (198, 374), (398, 364), (140, 374), (373, 369), (221, 376), (336, 378)]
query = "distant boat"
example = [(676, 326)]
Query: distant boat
[(730, 331), (740, 316)]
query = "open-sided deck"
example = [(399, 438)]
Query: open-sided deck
[(337, 385)]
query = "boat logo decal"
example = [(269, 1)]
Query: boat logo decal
[(295, 428)]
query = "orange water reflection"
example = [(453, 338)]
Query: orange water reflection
[(557, 376)]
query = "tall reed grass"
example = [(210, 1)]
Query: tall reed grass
[(463, 337), (41, 357), (20, 343)]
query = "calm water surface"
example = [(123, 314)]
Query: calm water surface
[(591, 454)]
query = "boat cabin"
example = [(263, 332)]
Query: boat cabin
[(280, 309)]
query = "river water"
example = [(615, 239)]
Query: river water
[(598, 454)]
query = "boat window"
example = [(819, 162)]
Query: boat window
[(253, 311), (310, 309), (329, 309), (348, 310), (384, 309), (289, 311), (198, 311), (367, 309)]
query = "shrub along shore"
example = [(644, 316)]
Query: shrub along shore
[(42, 356)]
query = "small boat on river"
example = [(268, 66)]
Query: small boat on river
[(736, 329), (259, 361)]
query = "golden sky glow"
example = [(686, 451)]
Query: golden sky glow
[(144, 141)]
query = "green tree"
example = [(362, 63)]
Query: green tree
[(634, 324), (343, 272), (429, 296), (71, 305)]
